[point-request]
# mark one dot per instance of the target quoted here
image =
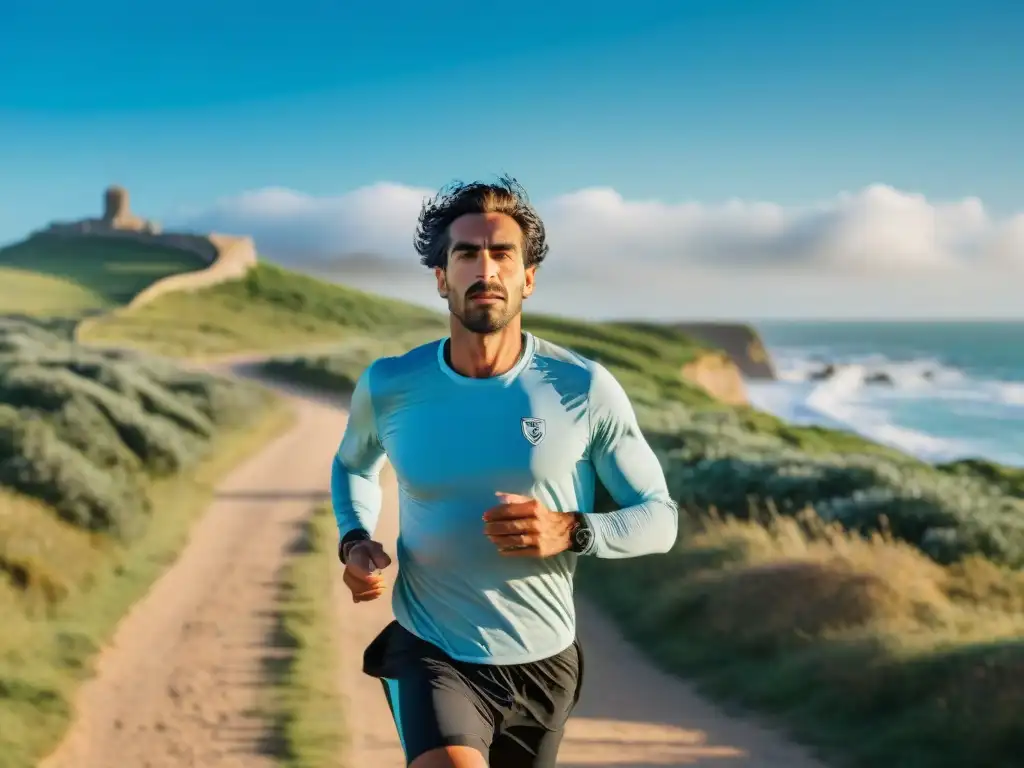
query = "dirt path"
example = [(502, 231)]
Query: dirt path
[(180, 684), (181, 680)]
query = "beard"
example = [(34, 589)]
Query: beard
[(485, 318)]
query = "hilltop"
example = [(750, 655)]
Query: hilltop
[(95, 264)]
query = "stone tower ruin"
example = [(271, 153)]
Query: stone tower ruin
[(115, 204), (117, 212), (117, 217)]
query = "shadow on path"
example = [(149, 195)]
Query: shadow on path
[(273, 496), (281, 647)]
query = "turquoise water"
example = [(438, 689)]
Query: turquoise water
[(957, 389)]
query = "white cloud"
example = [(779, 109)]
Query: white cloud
[(878, 230), (375, 219), (1005, 244)]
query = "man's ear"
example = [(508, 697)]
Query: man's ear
[(529, 282), (442, 282)]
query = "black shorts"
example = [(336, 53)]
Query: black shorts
[(513, 714)]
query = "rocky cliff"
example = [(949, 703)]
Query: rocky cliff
[(740, 342), (719, 376)]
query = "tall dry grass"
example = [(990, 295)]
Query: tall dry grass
[(862, 646)]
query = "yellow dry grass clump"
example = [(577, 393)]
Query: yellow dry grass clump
[(820, 580), (44, 557)]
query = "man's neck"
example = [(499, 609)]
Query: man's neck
[(480, 356)]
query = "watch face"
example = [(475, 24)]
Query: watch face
[(583, 537)]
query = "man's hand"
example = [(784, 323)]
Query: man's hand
[(365, 560), (523, 527)]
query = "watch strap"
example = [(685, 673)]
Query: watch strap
[(350, 538)]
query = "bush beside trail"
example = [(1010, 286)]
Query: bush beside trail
[(337, 371), (86, 431), (713, 461)]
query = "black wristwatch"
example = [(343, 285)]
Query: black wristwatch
[(351, 538), (581, 538)]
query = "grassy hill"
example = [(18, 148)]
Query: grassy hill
[(873, 602), (270, 309), (276, 309), (52, 275)]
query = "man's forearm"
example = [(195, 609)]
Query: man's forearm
[(642, 529), (647, 521), (356, 499), (355, 472)]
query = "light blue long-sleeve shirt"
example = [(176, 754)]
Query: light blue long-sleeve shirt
[(544, 429)]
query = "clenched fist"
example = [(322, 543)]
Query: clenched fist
[(520, 526), (364, 562)]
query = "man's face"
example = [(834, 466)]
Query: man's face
[(485, 281)]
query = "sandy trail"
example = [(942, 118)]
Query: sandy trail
[(180, 683)]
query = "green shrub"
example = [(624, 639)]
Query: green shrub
[(160, 445), (714, 460), (144, 392), (337, 371), (221, 402), (35, 462), (83, 430), (81, 424)]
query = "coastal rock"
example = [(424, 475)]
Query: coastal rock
[(877, 378), (719, 376), (824, 373), (740, 342), (880, 378)]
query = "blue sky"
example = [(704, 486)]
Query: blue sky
[(790, 102)]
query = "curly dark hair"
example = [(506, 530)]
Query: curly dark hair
[(458, 199)]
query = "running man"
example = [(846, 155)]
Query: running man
[(496, 437)]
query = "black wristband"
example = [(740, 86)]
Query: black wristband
[(357, 534)]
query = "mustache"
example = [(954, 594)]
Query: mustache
[(482, 287)]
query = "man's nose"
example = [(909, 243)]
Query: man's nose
[(486, 266)]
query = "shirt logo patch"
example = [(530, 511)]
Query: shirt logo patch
[(533, 430)]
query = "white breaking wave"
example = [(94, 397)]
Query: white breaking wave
[(1010, 394), (918, 374), (871, 394), (842, 398)]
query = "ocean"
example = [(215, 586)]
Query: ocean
[(938, 390)]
